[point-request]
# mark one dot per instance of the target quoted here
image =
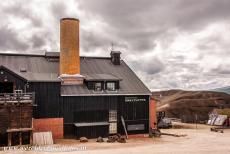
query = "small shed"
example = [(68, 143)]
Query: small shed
[(16, 112), (220, 117)]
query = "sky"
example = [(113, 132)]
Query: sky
[(170, 44)]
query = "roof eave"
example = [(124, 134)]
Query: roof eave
[(43, 81), (76, 95), (103, 79)]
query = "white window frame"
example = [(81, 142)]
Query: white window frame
[(113, 128), (112, 88), (95, 86), (112, 121)]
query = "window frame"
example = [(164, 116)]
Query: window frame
[(114, 88), (101, 88), (113, 122)]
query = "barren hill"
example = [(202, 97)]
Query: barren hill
[(223, 89), (187, 105)]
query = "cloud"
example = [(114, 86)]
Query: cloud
[(59, 10), (142, 22), (37, 41), (149, 66), (90, 41), (179, 44), (222, 69), (18, 9), (9, 40)]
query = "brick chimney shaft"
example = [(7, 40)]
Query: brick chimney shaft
[(69, 46)]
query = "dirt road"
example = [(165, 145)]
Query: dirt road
[(197, 141)]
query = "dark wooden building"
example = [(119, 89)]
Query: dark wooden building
[(91, 97)]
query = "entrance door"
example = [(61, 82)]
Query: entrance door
[(6, 87)]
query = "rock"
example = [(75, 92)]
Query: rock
[(111, 139), (117, 137), (100, 139), (155, 133), (83, 139), (121, 140)]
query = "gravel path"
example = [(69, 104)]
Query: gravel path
[(200, 141)]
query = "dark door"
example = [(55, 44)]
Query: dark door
[(6, 87)]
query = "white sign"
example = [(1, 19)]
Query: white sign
[(134, 99)]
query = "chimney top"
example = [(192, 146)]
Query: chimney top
[(115, 52), (69, 19)]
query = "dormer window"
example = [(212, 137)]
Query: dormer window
[(110, 86), (102, 82), (97, 86)]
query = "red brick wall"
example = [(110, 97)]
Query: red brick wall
[(55, 125), (152, 113)]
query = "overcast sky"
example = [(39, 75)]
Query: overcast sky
[(170, 44)]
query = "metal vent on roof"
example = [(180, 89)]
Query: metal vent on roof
[(23, 70), (52, 56), (115, 57), (53, 59)]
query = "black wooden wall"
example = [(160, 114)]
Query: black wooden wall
[(47, 99), (88, 109), (96, 108)]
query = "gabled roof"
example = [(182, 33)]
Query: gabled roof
[(40, 69), (8, 70)]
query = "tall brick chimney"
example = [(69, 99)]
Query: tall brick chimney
[(70, 51)]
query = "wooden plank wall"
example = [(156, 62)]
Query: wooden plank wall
[(14, 116)]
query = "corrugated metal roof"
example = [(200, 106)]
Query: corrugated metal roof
[(40, 69), (95, 77)]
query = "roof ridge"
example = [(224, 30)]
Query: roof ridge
[(44, 55), (21, 54), (94, 57)]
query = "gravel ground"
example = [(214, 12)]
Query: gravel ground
[(200, 140)]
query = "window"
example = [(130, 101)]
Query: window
[(113, 128), (112, 115), (136, 127), (110, 86), (97, 86), (112, 121)]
